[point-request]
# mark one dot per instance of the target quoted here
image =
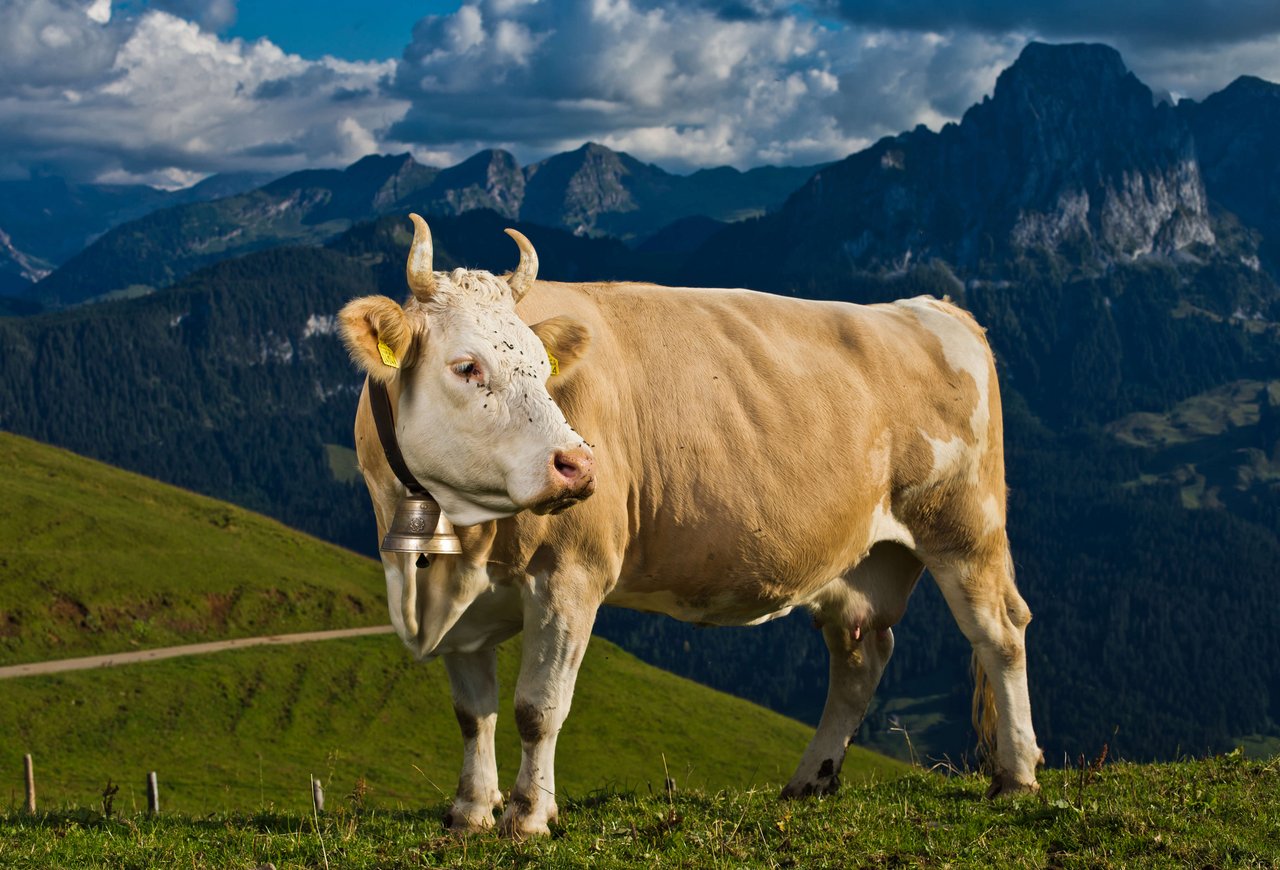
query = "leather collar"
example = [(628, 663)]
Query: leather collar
[(383, 418)]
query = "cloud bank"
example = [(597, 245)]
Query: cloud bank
[(153, 93), (687, 85), (159, 99), (1137, 22)]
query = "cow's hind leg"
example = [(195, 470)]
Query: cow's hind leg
[(856, 615), (473, 677), (980, 591)]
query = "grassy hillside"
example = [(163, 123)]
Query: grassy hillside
[(1219, 812), (94, 559), (243, 730)]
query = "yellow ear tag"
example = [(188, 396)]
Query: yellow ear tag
[(555, 363), (388, 355)]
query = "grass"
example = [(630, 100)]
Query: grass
[(1207, 445), (245, 729), (94, 559), (1213, 412), (1219, 812), (1260, 745), (343, 464)]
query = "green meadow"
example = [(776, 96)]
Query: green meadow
[(98, 560), (1216, 812), (94, 560)]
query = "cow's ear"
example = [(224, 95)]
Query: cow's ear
[(378, 334), (565, 339)]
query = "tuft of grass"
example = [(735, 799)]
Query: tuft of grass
[(1218, 812)]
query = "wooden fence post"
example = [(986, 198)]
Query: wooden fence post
[(29, 774), (153, 794), (317, 795)]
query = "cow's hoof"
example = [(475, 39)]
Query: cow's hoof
[(822, 785), (521, 821), (1006, 785), (467, 818)]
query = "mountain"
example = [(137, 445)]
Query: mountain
[(1236, 131), (307, 207), (488, 180), (1071, 154), (592, 191), (45, 221), (596, 191)]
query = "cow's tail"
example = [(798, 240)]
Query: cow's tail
[(983, 713)]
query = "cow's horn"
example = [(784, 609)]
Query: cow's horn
[(521, 279), (422, 281)]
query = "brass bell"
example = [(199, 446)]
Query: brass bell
[(419, 526)]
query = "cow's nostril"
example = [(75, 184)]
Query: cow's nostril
[(567, 467)]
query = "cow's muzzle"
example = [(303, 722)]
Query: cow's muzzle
[(571, 478)]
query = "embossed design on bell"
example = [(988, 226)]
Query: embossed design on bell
[(419, 526)]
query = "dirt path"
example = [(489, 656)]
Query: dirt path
[(31, 669)]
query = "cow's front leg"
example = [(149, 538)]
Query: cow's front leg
[(556, 631), (473, 678)]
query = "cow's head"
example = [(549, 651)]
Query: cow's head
[(474, 419)]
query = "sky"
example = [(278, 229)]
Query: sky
[(166, 92)]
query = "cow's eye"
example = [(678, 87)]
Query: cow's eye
[(467, 370)]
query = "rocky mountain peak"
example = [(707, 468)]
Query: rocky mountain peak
[(1249, 88), (1060, 102), (489, 179), (1071, 73), (1099, 159), (1070, 154), (576, 187), (1236, 131)]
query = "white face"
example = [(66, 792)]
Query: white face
[(475, 422)]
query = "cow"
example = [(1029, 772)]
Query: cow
[(719, 456)]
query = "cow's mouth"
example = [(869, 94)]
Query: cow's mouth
[(563, 501)]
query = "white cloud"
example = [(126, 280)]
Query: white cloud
[(1197, 71), (165, 101), (52, 44), (99, 11), (90, 89), (683, 85)]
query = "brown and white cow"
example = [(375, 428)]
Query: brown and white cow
[(725, 456)]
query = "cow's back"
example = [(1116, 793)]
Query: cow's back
[(750, 446)]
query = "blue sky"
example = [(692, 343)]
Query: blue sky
[(168, 91), (356, 31)]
